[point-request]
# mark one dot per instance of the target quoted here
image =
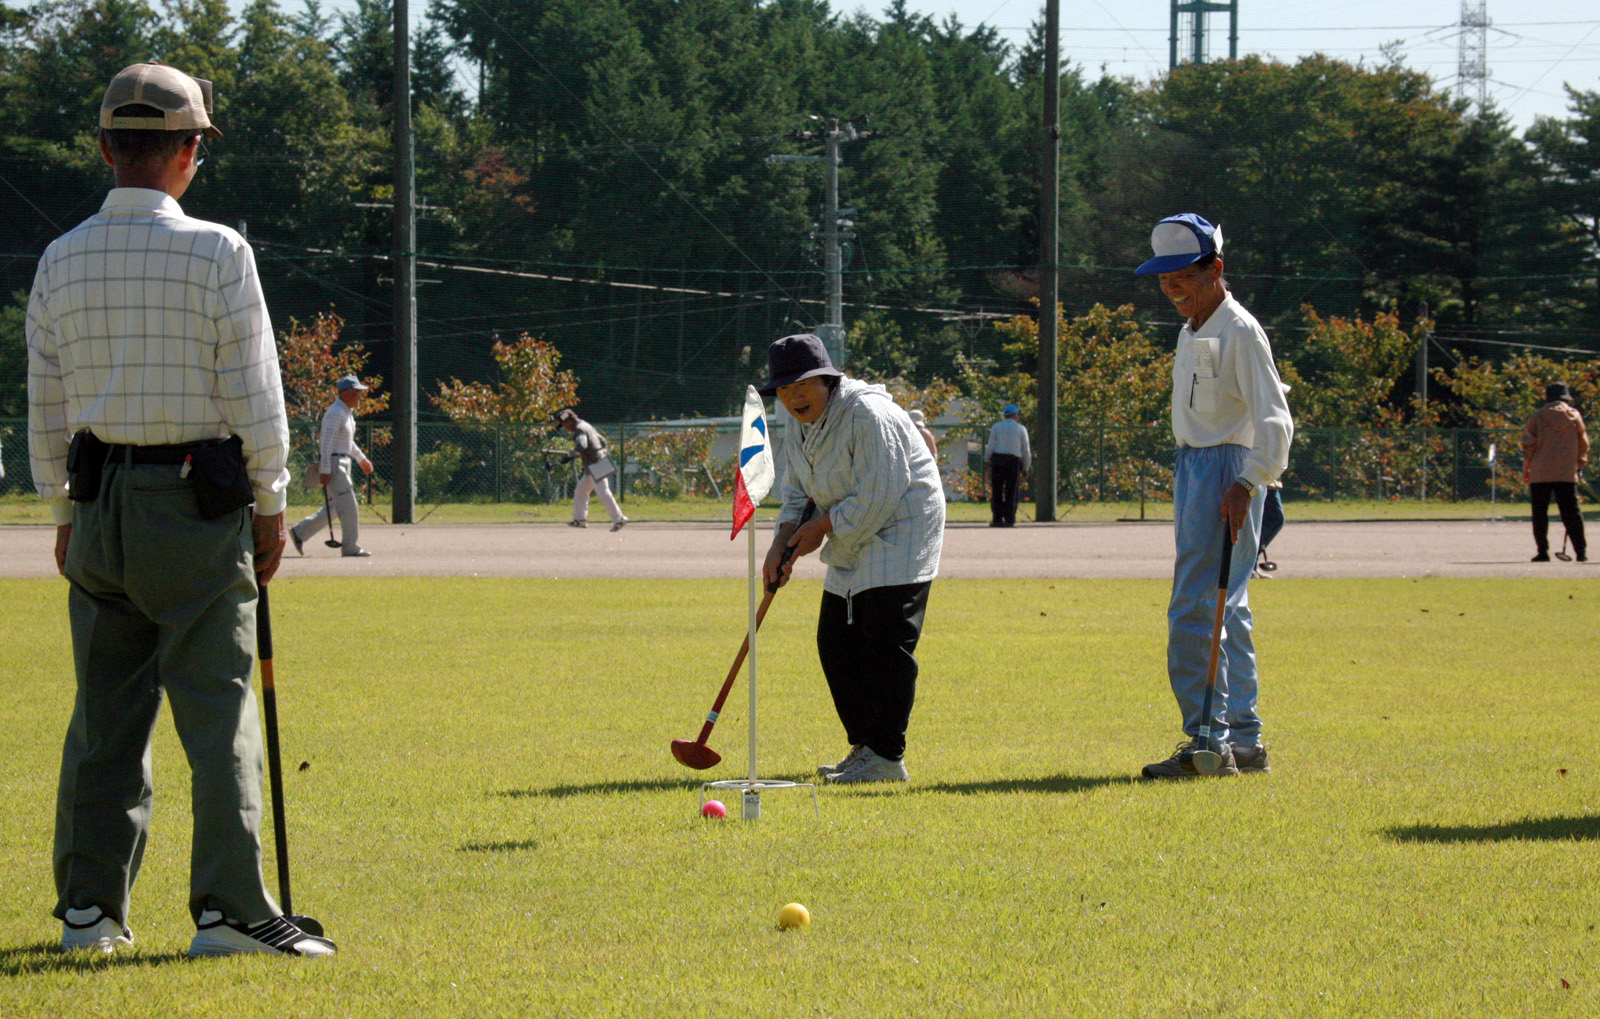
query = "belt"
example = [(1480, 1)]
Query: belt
[(174, 454)]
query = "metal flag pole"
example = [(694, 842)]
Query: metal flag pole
[(752, 798), (750, 788)]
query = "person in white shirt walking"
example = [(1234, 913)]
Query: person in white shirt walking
[(155, 418), (1233, 429), (338, 451), (1008, 458)]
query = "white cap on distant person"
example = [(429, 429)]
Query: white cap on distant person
[(1180, 241), (349, 382), (184, 101)]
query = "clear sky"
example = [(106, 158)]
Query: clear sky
[(1533, 46)]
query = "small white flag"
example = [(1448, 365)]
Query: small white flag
[(756, 472)]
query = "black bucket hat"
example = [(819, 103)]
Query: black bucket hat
[(1557, 391), (796, 358)]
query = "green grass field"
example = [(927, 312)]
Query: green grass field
[(491, 825)]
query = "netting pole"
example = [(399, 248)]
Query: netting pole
[(1045, 482), (405, 276)]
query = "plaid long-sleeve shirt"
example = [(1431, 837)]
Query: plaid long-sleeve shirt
[(149, 327), (866, 466)]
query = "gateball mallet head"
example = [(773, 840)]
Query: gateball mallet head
[(695, 755), (1206, 762)]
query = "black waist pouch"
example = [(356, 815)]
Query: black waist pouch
[(220, 482), (86, 458)]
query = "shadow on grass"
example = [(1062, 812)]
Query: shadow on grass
[(1531, 829), (519, 846), (1046, 784), (644, 785), (47, 957), (1043, 784)]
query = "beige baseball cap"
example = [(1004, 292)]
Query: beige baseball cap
[(184, 102)]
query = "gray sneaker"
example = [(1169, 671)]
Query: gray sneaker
[(92, 929), (830, 770), (869, 767), (1251, 760), (1181, 763)]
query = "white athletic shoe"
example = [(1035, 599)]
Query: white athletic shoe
[(220, 936), (91, 928), (830, 770), (620, 524), (869, 767)]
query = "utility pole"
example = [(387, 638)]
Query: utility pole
[(833, 329), (836, 224), (1422, 389), (405, 276), (1045, 481)]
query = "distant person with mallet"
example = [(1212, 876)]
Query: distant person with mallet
[(880, 507), (337, 451), (594, 457), (1233, 429), (155, 419), (1555, 448)]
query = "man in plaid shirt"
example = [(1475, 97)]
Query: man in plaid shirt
[(150, 352)]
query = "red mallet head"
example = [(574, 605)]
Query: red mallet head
[(713, 808)]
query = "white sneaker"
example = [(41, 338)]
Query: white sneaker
[(220, 936), (830, 770), (620, 524), (869, 767), (91, 928)]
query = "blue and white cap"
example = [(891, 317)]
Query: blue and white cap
[(1180, 241)]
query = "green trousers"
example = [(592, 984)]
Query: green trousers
[(162, 605)]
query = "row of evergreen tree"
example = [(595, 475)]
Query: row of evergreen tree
[(616, 144)]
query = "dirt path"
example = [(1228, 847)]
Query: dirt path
[(645, 549)]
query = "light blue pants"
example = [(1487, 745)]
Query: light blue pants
[(1200, 480), (342, 498)]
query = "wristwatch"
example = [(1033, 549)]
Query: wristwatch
[(1249, 489)]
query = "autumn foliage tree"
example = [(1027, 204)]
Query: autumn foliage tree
[(1345, 372), (532, 387), (312, 360)]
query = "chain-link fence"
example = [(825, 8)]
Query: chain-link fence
[(696, 459), (1443, 465)]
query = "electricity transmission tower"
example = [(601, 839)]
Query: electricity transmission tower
[(1196, 42), (1472, 63)]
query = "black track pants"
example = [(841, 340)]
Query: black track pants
[(867, 644), (1566, 496)]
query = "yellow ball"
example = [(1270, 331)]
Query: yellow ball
[(793, 915)]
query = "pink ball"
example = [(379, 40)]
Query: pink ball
[(713, 808)]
